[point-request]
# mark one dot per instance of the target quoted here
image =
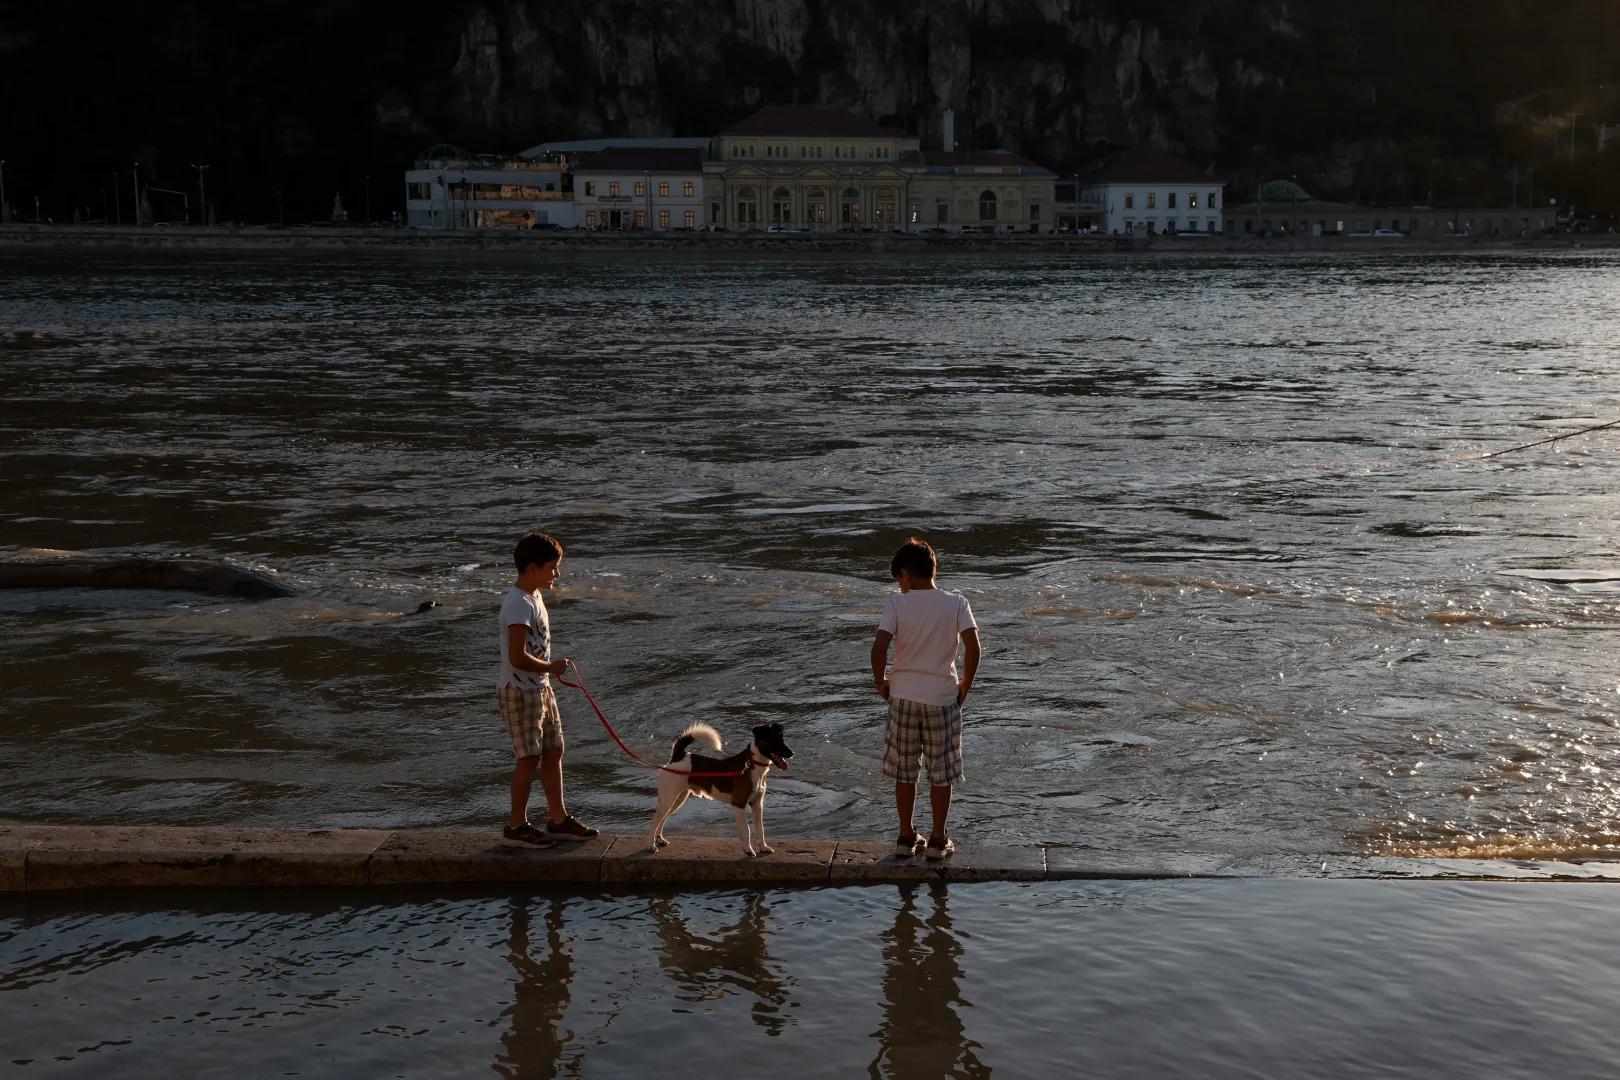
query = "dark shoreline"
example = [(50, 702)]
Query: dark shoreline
[(25, 237)]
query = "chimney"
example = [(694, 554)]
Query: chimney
[(947, 131)]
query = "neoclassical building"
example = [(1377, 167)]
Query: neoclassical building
[(826, 169)]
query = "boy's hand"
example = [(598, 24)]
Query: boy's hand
[(962, 689), (559, 668), (883, 689)]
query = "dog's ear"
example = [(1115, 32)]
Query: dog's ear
[(777, 728)]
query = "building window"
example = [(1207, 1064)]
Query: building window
[(663, 219), (942, 213), (663, 189), (850, 211), (641, 219), (691, 219), (1034, 211), (747, 206), (815, 206), (590, 219), (714, 213), (686, 189), (1130, 200), (641, 188), (916, 214), (1171, 203), (1214, 203), (781, 207), (1153, 200), (613, 189), (883, 208), (590, 187), (1192, 200), (987, 205)]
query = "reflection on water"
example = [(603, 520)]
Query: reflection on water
[(1123, 980), (536, 1044), (922, 1033), (708, 966), (1238, 586)]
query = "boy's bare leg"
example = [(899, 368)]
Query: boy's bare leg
[(939, 798), (551, 782), (522, 783), (905, 799)]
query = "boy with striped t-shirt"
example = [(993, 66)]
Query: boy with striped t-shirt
[(925, 696)]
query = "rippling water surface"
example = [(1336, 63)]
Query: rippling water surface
[(1248, 979), (1238, 588)]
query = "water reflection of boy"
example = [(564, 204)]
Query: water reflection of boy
[(705, 965), (921, 1034), (534, 1044)]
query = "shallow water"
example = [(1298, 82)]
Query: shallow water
[(1235, 592), (1236, 979)]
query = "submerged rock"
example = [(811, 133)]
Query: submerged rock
[(73, 570)]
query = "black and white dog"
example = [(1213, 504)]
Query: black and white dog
[(741, 783)]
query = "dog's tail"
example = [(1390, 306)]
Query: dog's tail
[(702, 733)]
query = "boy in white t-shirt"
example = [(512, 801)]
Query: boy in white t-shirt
[(924, 694), (528, 703)]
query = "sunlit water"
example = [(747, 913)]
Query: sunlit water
[(1280, 979), (1236, 592)]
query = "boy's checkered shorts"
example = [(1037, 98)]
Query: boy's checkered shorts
[(917, 732), (532, 720)]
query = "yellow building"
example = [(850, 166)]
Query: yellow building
[(811, 168)]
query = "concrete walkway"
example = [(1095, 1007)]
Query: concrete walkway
[(39, 858)]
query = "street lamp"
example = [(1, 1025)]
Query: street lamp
[(135, 172), (5, 209), (202, 195)]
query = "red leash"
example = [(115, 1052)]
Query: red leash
[(579, 685)]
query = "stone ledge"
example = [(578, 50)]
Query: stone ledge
[(39, 858), (432, 856)]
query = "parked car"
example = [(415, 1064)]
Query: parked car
[(547, 225), (935, 231)]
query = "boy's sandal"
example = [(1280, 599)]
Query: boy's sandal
[(570, 828), (527, 834), (907, 846), (939, 847)]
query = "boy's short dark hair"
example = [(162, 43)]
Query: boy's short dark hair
[(534, 548), (916, 556)]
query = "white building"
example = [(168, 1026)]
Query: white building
[(1148, 191), (654, 188), (452, 189)]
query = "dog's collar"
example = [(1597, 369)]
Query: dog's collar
[(766, 763)]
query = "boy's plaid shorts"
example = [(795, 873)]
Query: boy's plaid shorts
[(918, 732), (532, 720)]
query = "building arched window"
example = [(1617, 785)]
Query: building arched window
[(987, 205), (781, 207), (815, 206), (850, 207), (883, 210), (747, 206)]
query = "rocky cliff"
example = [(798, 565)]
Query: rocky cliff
[(294, 103)]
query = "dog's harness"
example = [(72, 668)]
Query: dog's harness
[(579, 684)]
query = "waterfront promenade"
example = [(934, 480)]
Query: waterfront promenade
[(48, 858), (22, 237)]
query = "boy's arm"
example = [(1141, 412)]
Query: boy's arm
[(519, 656), (880, 661), (970, 662)]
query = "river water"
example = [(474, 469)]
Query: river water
[(1239, 588), (1251, 979)]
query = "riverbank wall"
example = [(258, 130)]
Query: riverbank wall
[(54, 858), (30, 237)]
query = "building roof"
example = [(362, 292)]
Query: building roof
[(659, 159), (592, 146), (810, 121), (1145, 167), (1003, 159)]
